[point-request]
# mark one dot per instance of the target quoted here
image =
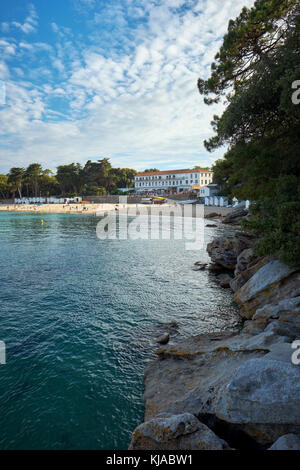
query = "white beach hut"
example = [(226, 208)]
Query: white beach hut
[(223, 201)]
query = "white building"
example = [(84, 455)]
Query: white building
[(208, 196), (172, 181), (208, 191)]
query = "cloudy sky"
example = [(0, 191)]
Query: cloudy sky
[(82, 79)]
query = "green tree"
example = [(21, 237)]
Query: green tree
[(49, 185), (70, 178), (257, 64), (124, 177), (96, 178), (4, 187), (32, 178), (99, 174), (15, 179), (150, 170), (204, 168)]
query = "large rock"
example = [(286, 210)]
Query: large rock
[(287, 311), (202, 376), (175, 432), (286, 442), (269, 285), (243, 260), (235, 216), (262, 390), (225, 250), (213, 215), (224, 280), (242, 277)]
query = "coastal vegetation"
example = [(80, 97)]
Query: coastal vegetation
[(94, 178), (255, 72)]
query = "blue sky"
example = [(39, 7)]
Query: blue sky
[(90, 78)]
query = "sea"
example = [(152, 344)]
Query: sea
[(79, 317)]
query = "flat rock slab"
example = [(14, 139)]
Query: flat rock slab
[(175, 432), (229, 377)]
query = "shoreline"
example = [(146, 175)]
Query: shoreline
[(93, 209), (237, 391)]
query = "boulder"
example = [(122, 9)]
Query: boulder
[(164, 339), (269, 285), (243, 260), (287, 311), (262, 390), (175, 432), (225, 250), (251, 328), (215, 268), (200, 264), (224, 280), (235, 216), (286, 442), (243, 381), (212, 215), (240, 279)]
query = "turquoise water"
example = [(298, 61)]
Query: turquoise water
[(78, 316)]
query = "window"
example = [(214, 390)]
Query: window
[(186, 181), (205, 181)]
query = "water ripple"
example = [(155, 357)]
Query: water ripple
[(79, 316)]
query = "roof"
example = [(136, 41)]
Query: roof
[(166, 172)]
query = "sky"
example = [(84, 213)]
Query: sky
[(86, 79)]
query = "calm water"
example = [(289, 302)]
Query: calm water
[(78, 316)]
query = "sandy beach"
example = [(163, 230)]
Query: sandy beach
[(91, 209), (56, 208), (94, 209)]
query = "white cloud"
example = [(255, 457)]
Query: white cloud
[(7, 48), (30, 24), (141, 102), (4, 72), (5, 27)]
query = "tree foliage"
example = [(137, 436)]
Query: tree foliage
[(95, 178), (257, 65)]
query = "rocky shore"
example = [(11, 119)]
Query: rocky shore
[(231, 391)]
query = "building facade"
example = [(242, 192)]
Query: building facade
[(209, 190), (172, 181)]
